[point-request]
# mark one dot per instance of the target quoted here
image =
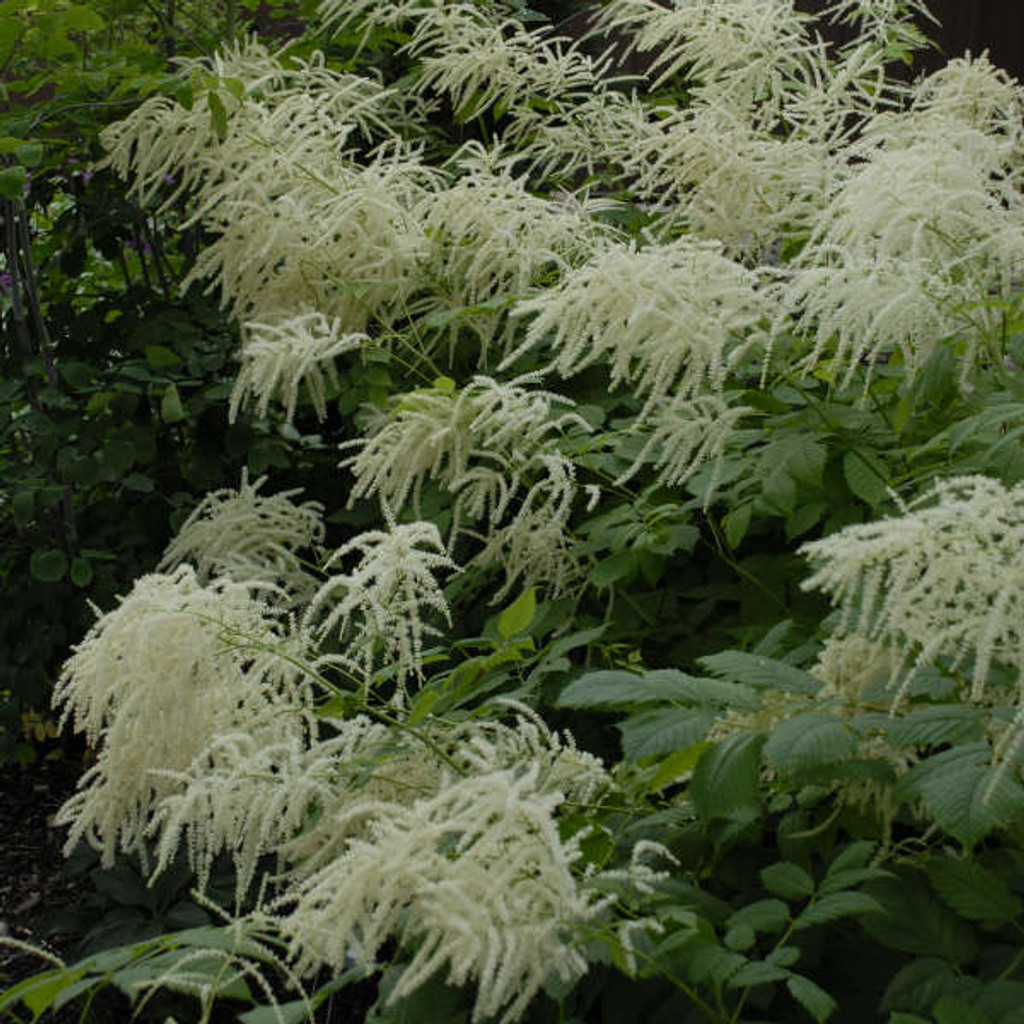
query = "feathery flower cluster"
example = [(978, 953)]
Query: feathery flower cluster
[(668, 319), (154, 681), (377, 607), (737, 51), (492, 239), (941, 581), (474, 879), (478, 443), (279, 357), (684, 434), (248, 536)]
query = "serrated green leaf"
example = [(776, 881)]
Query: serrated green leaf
[(973, 891), (768, 916), (814, 999), (932, 726), (663, 731), (740, 938), (516, 618), (757, 973), (855, 855), (835, 906), (866, 476), (613, 568), (967, 795), (848, 878), (726, 779), (916, 922), (950, 1010), (712, 963), (618, 688), (788, 880), (757, 670), (809, 741), (736, 524), (916, 985)]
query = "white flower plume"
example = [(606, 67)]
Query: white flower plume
[(477, 442), (249, 536), (476, 881), (669, 318), (154, 680), (943, 580), (377, 608), (279, 357)]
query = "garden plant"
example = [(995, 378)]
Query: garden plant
[(634, 628)]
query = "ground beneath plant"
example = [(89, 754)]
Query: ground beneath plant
[(32, 885)]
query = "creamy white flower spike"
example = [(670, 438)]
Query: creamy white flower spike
[(249, 536), (941, 581), (479, 443), (672, 318), (279, 358), (377, 608), (155, 679), (476, 881)]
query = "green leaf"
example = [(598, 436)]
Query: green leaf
[(218, 115), (171, 409), (422, 707), (763, 916), (23, 505), (973, 891), (160, 357), (788, 880), (736, 524), (79, 18), (12, 182), (866, 476), (916, 922), (48, 566), (727, 779), (916, 986), (39, 992), (138, 482), (617, 688), (29, 153), (663, 731), (81, 572), (757, 973), (968, 796), (809, 741), (950, 1010), (445, 385), (517, 617), (943, 723), (613, 568), (814, 999), (740, 938), (831, 908), (757, 670)]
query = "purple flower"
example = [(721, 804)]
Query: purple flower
[(6, 281), (86, 177), (169, 178), (130, 244)]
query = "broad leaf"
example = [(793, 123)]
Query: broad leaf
[(727, 777), (973, 891)]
